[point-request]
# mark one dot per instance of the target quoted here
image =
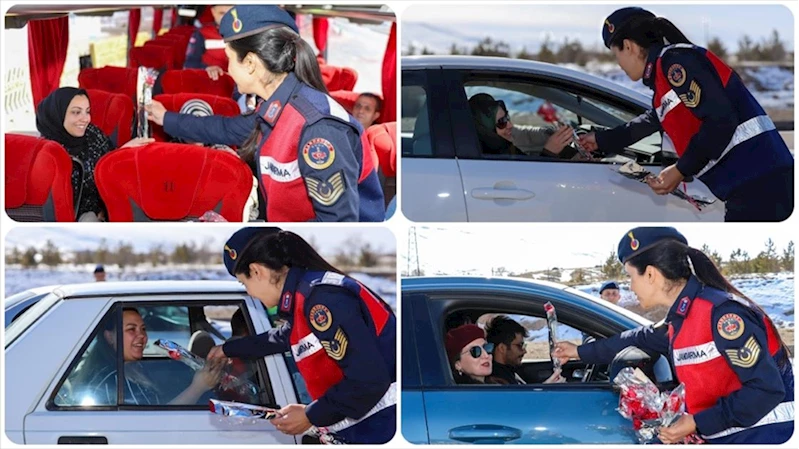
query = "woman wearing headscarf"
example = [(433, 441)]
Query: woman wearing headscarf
[(499, 136), (65, 116)]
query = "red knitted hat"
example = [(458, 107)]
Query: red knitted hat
[(461, 336)]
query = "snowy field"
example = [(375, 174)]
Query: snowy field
[(18, 279)]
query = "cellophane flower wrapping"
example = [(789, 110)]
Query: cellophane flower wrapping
[(144, 96), (647, 407)]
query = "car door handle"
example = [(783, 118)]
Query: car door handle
[(82, 440), (485, 433), (492, 193)]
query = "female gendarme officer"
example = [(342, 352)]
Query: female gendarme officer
[(342, 336), (718, 129), (310, 156), (736, 369)]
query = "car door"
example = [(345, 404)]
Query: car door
[(431, 180), (498, 188), (571, 413), (50, 424)]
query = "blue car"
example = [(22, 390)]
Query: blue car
[(581, 411)]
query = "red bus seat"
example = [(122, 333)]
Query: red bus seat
[(196, 80), (159, 58), (173, 182), (113, 114), (383, 140), (180, 43), (338, 78), (118, 80), (38, 180), (173, 102), (175, 59)]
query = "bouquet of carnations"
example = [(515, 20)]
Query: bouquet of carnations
[(649, 409)]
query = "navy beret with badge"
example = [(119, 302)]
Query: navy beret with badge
[(618, 19), (247, 20), (608, 285), (238, 242), (641, 239)]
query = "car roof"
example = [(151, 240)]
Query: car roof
[(534, 286), (494, 63), (145, 287)]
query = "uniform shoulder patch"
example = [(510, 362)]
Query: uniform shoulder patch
[(326, 191), (319, 153), (332, 278), (692, 97), (337, 347), (746, 356), (730, 326), (320, 317), (676, 75)]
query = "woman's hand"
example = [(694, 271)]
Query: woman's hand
[(588, 142), (209, 376), (214, 72), (562, 137), (292, 419), (155, 112), (666, 181), (677, 432), (564, 351), (555, 378), (138, 142)]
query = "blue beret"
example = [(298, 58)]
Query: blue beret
[(607, 285), (246, 20), (237, 242), (618, 19), (639, 240), (99, 269)]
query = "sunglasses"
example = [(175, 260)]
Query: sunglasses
[(503, 122), (477, 351)]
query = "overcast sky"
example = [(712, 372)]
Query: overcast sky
[(530, 24), (144, 236), (522, 248)]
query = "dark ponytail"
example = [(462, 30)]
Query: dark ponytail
[(282, 51), (282, 249), (672, 259), (649, 32)]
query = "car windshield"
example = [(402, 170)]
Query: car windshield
[(19, 326)]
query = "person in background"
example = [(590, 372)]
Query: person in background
[(367, 109), (610, 292), (99, 273)]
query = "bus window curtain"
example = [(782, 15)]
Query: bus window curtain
[(158, 20), (47, 53), (320, 28), (134, 19), (389, 112)]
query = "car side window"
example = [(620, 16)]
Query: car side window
[(415, 118), (150, 377), (537, 110)]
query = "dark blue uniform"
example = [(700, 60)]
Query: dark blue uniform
[(760, 410), (366, 356)]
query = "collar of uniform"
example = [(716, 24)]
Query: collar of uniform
[(270, 109), (651, 66), (681, 306), (286, 306)]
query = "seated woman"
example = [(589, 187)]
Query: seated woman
[(65, 117), (499, 136), (469, 354), (139, 389), (470, 357)]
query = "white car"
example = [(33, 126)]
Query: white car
[(446, 177), (48, 345)]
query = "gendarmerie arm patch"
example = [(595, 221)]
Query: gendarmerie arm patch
[(319, 153), (337, 348), (730, 326), (676, 75), (747, 356), (326, 191), (320, 317), (692, 97)]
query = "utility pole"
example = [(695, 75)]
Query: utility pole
[(413, 253)]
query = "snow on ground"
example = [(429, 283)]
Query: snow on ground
[(18, 279)]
